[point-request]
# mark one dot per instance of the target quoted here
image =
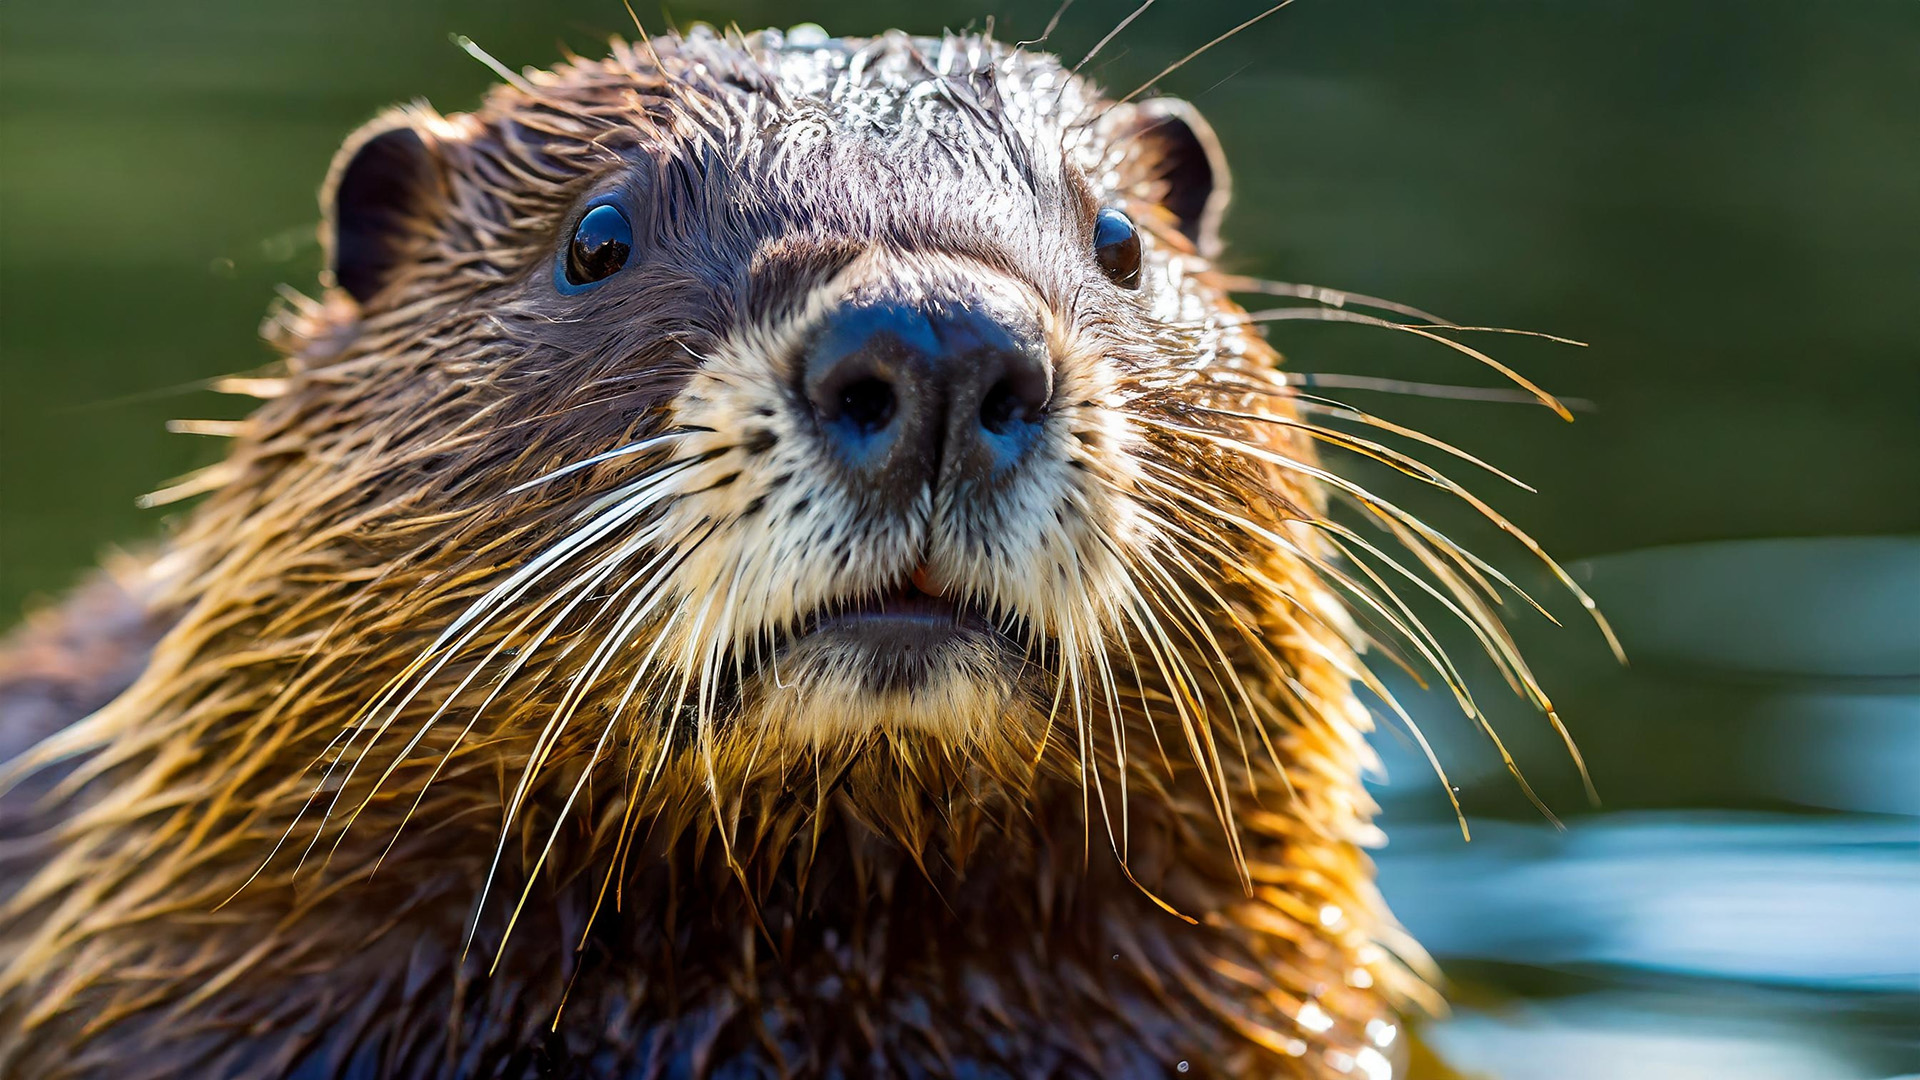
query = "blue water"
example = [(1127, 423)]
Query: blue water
[(1776, 934)]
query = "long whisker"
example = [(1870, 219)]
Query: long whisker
[(1386, 455), (618, 452), (1323, 314), (472, 622), (1090, 782), (1403, 620), (1320, 294), (623, 844), (1182, 489), (1471, 565), (526, 653), (1415, 632), (1182, 691), (1361, 674), (1181, 686), (1200, 733), (1103, 665), (1249, 634), (1111, 34), (1495, 394), (1197, 631), (1052, 24), (1185, 60), (647, 597), (615, 640), (1387, 508), (1318, 314)]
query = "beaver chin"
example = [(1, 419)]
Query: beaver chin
[(901, 660)]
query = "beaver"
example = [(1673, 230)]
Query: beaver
[(772, 555)]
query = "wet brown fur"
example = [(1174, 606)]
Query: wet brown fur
[(270, 856)]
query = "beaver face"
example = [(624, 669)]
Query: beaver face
[(917, 478), (825, 361), (904, 473)]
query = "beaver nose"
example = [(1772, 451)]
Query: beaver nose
[(909, 395)]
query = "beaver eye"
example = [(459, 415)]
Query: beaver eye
[(600, 246), (1116, 244)]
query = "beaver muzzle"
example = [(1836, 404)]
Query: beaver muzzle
[(918, 400)]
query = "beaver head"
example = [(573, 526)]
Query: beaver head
[(801, 377), (748, 515)]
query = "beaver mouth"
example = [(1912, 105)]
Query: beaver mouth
[(901, 615), (901, 636)]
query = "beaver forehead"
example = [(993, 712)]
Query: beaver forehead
[(960, 94), (830, 202), (791, 126), (916, 141)]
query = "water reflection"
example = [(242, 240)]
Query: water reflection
[(1823, 904), (1650, 1036), (1770, 937)]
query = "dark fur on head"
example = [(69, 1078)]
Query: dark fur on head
[(471, 752)]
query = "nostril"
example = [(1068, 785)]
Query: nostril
[(1001, 408), (1016, 399), (867, 404)]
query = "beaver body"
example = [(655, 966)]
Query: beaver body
[(774, 556)]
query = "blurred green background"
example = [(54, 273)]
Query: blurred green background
[(1722, 197)]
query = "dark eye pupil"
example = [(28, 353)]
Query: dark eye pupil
[(1116, 244), (601, 243)]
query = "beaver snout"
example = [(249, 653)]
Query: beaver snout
[(912, 395)]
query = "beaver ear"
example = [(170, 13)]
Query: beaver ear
[(382, 190), (1188, 162)]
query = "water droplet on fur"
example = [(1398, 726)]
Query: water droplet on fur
[(1312, 1017), (807, 35)]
